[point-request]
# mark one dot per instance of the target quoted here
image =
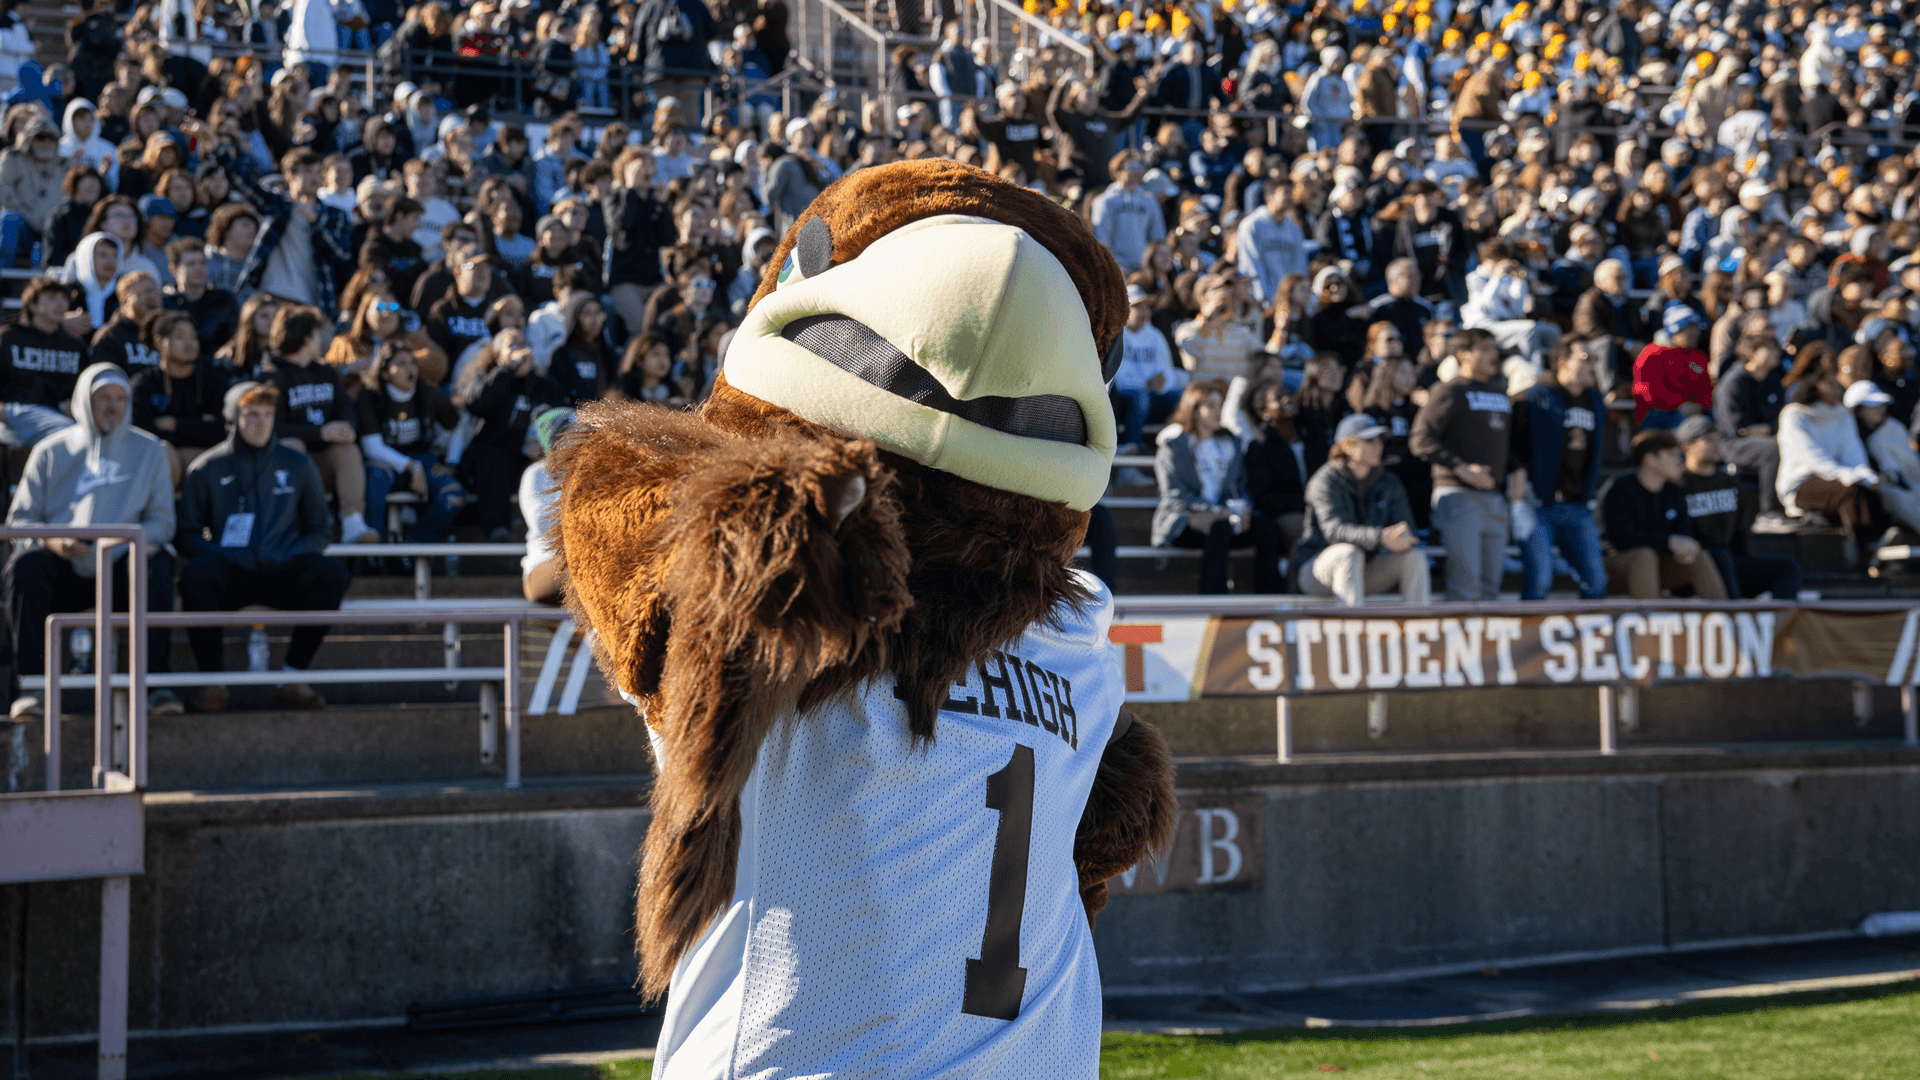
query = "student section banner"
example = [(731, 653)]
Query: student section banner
[(1350, 650)]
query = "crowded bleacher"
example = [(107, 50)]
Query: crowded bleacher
[(1423, 294)]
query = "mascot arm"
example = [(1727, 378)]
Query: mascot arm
[(1130, 811)]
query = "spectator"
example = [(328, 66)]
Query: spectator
[(1203, 493), (1824, 466), (670, 48), (1271, 244), (1464, 432), (393, 247), (230, 236), (1607, 316), (64, 230), (1401, 304), (1670, 381), (1650, 539), (459, 318), (1722, 511), (1327, 100), (638, 227), (178, 399), (1889, 450), (401, 419), (1214, 346), (540, 577), (1359, 534), (1557, 426), (31, 173), (315, 415), (215, 314), (100, 470), (582, 365), (253, 524), (121, 341), (1147, 387), (293, 258), (1746, 411), (1276, 483), (1429, 232), (39, 363), (501, 391), (1499, 300), (1125, 217)]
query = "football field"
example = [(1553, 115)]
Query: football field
[(1827, 1036)]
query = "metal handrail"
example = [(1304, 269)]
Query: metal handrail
[(1045, 30), (509, 671), (107, 538)]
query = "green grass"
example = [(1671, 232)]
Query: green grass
[(1849, 1035), (1830, 1036)]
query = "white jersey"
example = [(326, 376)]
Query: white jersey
[(905, 913)]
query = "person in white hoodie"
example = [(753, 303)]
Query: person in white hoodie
[(313, 39), (80, 142), (1823, 463), (16, 45), (100, 471), (1889, 451), (1497, 294)]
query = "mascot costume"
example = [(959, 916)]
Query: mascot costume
[(893, 771)]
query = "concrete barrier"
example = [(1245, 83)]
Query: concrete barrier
[(342, 906)]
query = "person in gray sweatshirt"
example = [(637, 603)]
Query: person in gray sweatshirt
[(100, 471)]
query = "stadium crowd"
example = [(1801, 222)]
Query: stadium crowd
[(1400, 273)]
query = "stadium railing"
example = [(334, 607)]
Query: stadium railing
[(98, 832)]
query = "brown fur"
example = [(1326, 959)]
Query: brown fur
[(1130, 811), (701, 549)]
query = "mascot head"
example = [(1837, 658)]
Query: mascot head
[(957, 320)]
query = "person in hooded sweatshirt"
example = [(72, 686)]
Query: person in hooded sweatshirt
[(100, 471), (755, 252), (253, 529), (39, 362), (122, 341), (30, 177), (81, 144), (95, 275)]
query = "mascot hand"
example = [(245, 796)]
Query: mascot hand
[(1130, 812)]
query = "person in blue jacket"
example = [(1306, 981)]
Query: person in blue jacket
[(1556, 431)]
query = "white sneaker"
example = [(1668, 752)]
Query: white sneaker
[(25, 707), (354, 530), (164, 703)]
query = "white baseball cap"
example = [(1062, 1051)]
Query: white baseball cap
[(1865, 393), (1359, 426)]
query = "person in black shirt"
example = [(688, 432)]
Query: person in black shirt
[(1274, 481), (554, 248), (215, 313), (179, 399), (315, 415), (1649, 535), (392, 245), (581, 364), (1556, 426), (121, 341), (1722, 510), (1746, 410), (501, 391), (398, 420), (459, 318), (39, 363), (1014, 136)]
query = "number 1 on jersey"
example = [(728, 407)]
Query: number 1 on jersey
[(996, 981)]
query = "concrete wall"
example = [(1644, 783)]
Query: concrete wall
[(340, 906), (1457, 866), (350, 904)]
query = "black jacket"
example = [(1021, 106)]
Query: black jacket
[(503, 404), (1273, 476), (403, 259), (37, 368), (278, 485), (1740, 400), (638, 226), (1633, 517), (216, 315), (194, 402)]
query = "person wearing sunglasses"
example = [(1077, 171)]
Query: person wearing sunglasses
[(380, 319)]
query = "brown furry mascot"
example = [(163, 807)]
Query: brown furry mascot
[(893, 771)]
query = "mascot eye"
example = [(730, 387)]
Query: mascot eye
[(812, 253)]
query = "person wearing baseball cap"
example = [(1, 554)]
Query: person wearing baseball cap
[(1671, 376), (1148, 384), (1358, 540), (1722, 509), (1889, 450)]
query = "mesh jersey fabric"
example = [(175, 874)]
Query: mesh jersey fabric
[(867, 870)]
